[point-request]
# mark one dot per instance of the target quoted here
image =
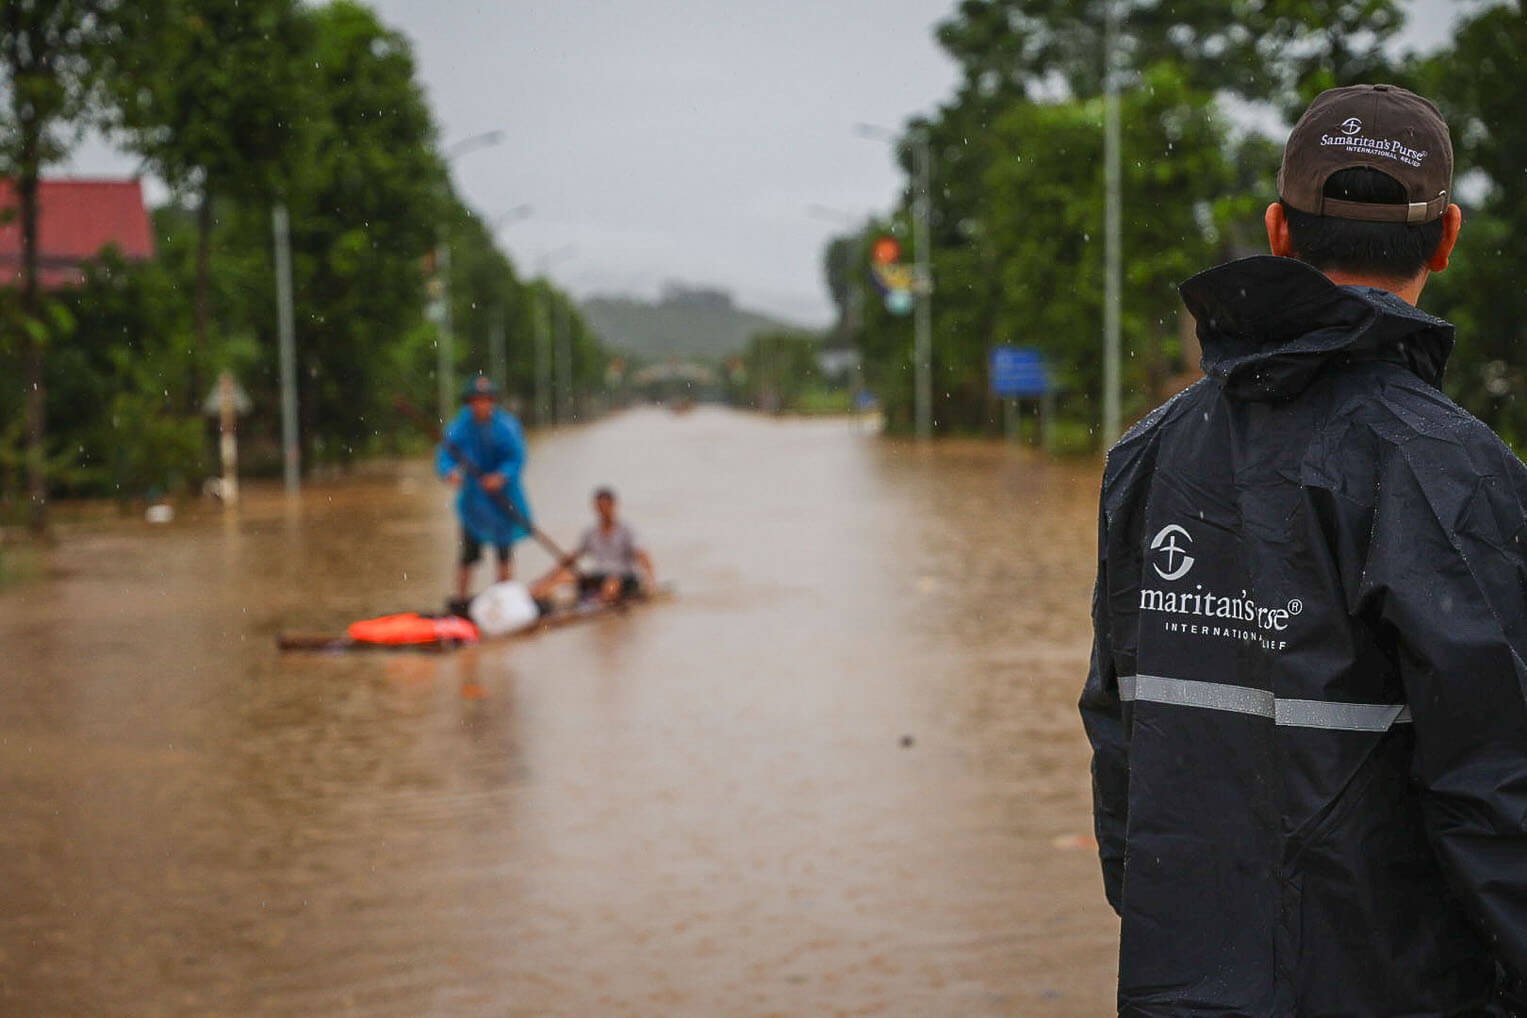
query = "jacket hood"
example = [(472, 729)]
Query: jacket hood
[(1268, 325)]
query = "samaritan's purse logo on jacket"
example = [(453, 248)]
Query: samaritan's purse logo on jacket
[(1201, 612)]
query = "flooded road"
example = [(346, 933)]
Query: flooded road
[(706, 807)]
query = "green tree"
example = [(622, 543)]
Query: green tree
[(127, 425), (52, 53), (1479, 86), (1030, 271), (1279, 50), (1044, 246), (779, 368), (366, 187), (213, 95), (363, 214), (1031, 72)]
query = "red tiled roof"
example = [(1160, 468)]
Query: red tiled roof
[(76, 220)]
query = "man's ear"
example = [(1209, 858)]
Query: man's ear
[(1278, 240), (1452, 222)]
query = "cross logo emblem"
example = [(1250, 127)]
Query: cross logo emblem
[(1176, 557)]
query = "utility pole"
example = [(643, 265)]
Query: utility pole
[(291, 451), (923, 344), (1112, 227)]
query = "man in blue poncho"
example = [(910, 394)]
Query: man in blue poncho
[(483, 453)]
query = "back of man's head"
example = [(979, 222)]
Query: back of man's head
[(1365, 186), (1392, 251)]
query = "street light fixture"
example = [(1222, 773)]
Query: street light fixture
[(922, 355), (472, 142), (514, 215)]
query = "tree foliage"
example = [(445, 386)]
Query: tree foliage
[(1017, 199), (778, 368), (52, 57), (240, 104), (1481, 90)]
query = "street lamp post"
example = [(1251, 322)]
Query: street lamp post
[(445, 347), (922, 352), (291, 464)]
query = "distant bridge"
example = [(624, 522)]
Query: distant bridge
[(676, 372)]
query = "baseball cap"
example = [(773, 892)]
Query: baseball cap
[(1384, 127), (482, 385)]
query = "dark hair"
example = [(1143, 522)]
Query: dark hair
[(1391, 251), (605, 492)]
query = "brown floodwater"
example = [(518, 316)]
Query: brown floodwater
[(705, 807)]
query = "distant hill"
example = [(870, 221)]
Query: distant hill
[(685, 322)]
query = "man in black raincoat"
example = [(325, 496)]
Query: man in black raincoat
[(1308, 695)]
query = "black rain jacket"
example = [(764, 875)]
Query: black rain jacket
[(1308, 695)]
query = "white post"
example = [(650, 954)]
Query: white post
[(1047, 422), (227, 439)]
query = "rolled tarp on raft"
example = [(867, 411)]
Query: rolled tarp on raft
[(412, 629)]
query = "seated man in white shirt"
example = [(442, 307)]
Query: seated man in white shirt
[(618, 566)]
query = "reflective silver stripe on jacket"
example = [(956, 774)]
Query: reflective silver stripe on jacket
[(1337, 717)]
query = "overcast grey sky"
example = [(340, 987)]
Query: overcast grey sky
[(682, 139)]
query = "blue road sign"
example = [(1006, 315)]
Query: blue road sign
[(1018, 372)]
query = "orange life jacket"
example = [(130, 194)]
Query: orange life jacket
[(413, 628)]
